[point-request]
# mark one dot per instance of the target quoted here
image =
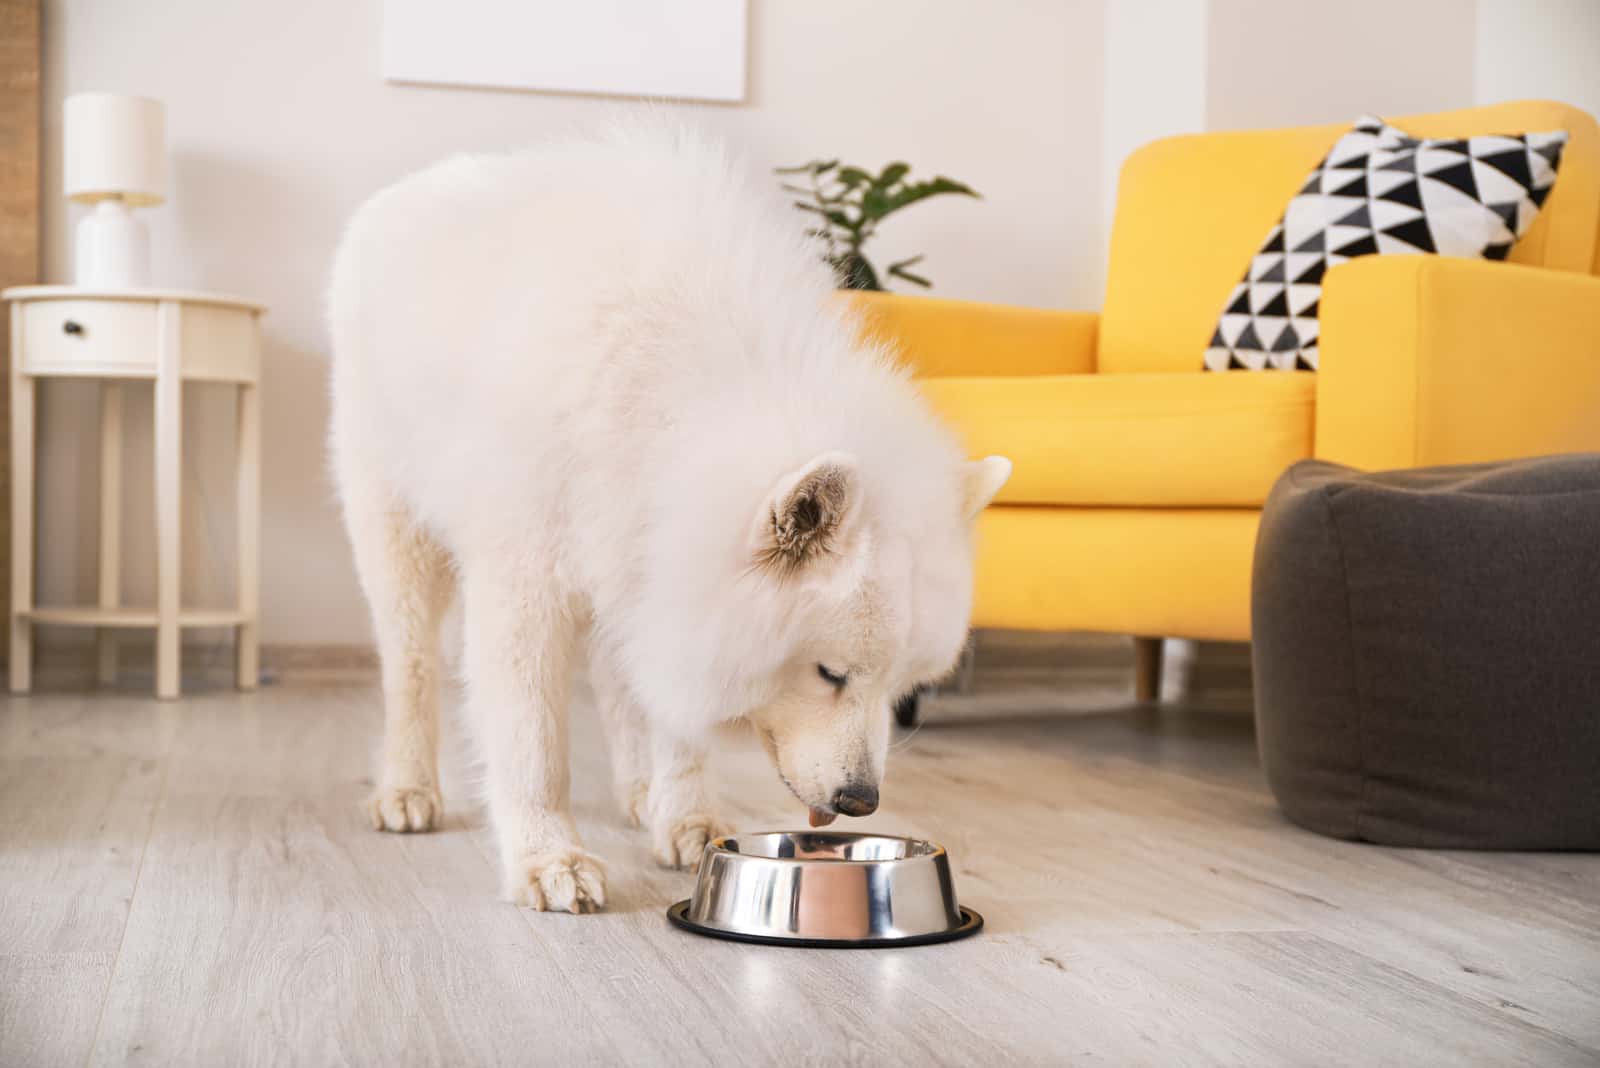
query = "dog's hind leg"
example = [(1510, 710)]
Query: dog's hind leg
[(627, 738), (520, 633), (409, 582)]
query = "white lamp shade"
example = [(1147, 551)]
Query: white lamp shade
[(115, 147)]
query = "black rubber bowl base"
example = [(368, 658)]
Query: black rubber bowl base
[(971, 924)]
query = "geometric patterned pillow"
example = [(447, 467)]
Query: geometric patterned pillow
[(1379, 192)]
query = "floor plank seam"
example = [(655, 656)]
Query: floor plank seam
[(133, 898)]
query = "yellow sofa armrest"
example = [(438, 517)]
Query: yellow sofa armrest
[(1430, 360), (951, 337)]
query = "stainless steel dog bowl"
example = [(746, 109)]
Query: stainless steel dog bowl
[(825, 889)]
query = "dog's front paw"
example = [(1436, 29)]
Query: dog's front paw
[(561, 880), (679, 841), (405, 808)]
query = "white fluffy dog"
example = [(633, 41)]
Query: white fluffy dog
[(603, 389)]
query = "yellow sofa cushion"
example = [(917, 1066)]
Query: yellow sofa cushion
[(1174, 440), (935, 337), (1174, 572)]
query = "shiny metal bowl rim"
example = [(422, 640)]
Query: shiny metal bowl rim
[(720, 845)]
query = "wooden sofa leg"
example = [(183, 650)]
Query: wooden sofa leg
[(1147, 667)]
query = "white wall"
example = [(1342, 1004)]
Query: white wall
[(1296, 62), (1544, 49), (279, 125), (1155, 60)]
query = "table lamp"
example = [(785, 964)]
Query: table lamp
[(115, 160)]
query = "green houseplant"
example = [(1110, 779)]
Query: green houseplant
[(850, 202)]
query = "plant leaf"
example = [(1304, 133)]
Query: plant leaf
[(892, 174), (833, 215), (941, 184), (816, 168), (875, 203), (898, 270), (850, 177), (910, 194)]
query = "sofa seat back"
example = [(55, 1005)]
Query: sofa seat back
[(1191, 211)]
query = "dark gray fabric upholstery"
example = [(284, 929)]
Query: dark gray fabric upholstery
[(1427, 652)]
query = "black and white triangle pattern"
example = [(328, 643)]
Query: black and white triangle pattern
[(1379, 192)]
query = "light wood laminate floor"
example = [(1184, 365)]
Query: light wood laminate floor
[(193, 883)]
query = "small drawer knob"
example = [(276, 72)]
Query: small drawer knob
[(70, 327)]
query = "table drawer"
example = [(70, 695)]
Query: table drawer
[(85, 336), (220, 344)]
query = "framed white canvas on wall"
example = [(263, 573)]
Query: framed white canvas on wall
[(664, 48)]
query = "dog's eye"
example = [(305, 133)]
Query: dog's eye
[(832, 678)]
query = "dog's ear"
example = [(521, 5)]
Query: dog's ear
[(981, 480), (808, 514)]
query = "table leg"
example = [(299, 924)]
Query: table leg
[(22, 416), (247, 651), (110, 522), (169, 503)]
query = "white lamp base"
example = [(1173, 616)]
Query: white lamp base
[(113, 249)]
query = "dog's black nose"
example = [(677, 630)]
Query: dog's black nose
[(857, 800)]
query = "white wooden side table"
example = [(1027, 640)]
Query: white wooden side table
[(168, 338)]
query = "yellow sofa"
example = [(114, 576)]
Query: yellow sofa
[(1139, 478)]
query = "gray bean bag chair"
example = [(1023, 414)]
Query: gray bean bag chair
[(1427, 653)]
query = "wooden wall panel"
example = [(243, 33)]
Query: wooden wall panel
[(19, 218)]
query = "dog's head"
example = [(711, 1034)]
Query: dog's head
[(864, 605)]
